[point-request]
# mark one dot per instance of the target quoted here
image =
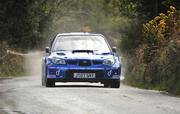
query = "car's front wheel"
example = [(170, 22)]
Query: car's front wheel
[(106, 84), (50, 83), (112, 84), (115, 84)]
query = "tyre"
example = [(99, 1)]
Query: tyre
[(50, 83), (115, 84), (106, 84)]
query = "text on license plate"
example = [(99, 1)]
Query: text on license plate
[(84, 75)]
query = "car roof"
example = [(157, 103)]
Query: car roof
[(79, 33)]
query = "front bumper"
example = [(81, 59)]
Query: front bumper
[(65, 73)]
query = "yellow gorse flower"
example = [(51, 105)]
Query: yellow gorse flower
[(172, 8), (162, 14), (163, 24), (156, 18)]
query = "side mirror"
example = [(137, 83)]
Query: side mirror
[(114, 49), (47, 50)]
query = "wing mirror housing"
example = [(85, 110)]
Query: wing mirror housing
[(47, 50), (114, 49)]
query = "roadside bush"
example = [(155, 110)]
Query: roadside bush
[(10, 64), (156, 63)]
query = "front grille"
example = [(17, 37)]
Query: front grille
[(99, 73), (71, 62), (84, 62), (97, 62)]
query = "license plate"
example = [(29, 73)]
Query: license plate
[(84, 75)]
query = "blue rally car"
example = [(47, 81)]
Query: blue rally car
[(81, 57)]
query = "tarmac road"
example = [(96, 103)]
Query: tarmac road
[(25, 95)]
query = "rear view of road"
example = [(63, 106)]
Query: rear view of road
[(25, 95)]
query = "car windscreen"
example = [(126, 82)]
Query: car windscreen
[(70, 43)]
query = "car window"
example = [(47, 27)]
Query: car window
[(95, 43)]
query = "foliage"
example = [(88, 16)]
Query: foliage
[(10, 64), (22, 22), (156, 60), (162, 27)]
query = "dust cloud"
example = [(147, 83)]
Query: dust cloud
[(33, 63)]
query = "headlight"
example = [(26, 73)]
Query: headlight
[(109, 61), (58, 61)]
